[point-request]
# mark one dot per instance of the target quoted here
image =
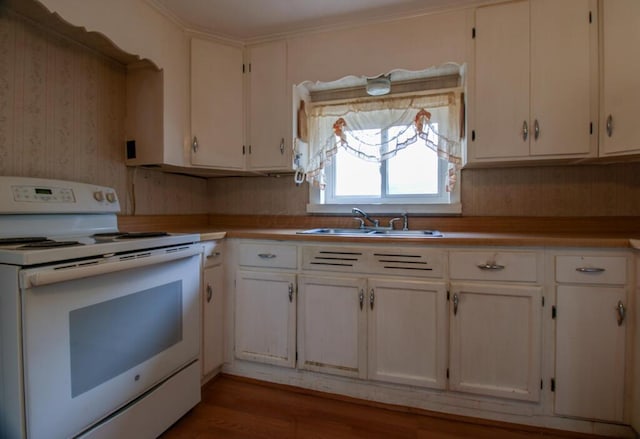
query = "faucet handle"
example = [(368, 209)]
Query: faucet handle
[(361, 221), (392, 221)]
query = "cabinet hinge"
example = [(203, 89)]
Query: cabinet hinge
[(447, 373), (590, 17), (296, 356), (553, 384), (554, 313), (243, 68), (249, 149), (448, 296), (590, 127), (473, 32), (473, 135), (542, 300), (243, 150), (541, 384), (249, 67)]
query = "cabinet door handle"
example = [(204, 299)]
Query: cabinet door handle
[(590, 270), (214, 255), (536, 129), (209, 293), (491, 266), (291, 293), (622, 312), (525, 130), (610, 125), (194, 144), (282, 146), (372, 298), (361, 299), (456, 301), (266, 255)]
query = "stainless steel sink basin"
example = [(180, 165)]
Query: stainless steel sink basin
[(372, 232)]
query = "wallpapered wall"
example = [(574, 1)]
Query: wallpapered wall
[(62, 109), (593, 190)]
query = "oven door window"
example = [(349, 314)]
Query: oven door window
[(109, 338)]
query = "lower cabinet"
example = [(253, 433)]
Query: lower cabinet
[(382, 329), (591, 337), (496, 338), (265, 317)]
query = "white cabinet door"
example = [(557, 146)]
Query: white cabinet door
[(407, 327), (332, 325), (621, 78), (535, 87), (213, 319), (590, 352), (501, 105), (265, 317), (269, 144), (563, 72), (496, 340), (216, 105)]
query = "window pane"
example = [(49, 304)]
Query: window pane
[(414, 170), (355, 176)]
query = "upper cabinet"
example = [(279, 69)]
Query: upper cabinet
[(217, 112), (619, 128), (535, 81), (269, 114)]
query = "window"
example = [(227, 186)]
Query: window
[(390, 154)]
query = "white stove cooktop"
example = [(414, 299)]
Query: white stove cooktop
[(62, 211)]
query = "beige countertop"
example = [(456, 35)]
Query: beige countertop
[(611, 240)]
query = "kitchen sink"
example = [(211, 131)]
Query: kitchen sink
[(372, 232)]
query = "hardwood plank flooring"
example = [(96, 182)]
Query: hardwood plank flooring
[(237, 408)]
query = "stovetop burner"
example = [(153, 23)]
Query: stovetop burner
[(49, 244), (128, 235), (22, 240)]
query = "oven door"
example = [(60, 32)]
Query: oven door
[(98, 335)]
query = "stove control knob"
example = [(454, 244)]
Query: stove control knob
[(98, 196), (111, 197)]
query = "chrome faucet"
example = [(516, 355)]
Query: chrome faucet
[(356, 211)]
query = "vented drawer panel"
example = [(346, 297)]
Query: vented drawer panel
[(333, 259), (390, 261)]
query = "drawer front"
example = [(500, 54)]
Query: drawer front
[(212, 253), (269, 255), (494, 266), (407, 262), (591, 269)]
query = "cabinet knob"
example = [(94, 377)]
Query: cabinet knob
[(610, 125), (456, 302), (622, 312)]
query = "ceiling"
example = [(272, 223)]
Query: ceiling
[(246, 20)]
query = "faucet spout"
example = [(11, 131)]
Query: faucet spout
[(364, 215)]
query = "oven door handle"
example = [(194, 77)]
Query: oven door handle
[(39, 276)]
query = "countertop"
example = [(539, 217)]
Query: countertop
[(611, 240)]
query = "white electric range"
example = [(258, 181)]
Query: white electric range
[(99, 329)]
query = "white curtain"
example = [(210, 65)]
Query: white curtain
[(434, 118)]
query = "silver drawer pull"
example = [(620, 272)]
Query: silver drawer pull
[(266, 255), (491, 266), (214, 255), (590, 270), (456, 302), (209, 293)]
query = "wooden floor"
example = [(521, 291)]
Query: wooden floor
[(234, 408)]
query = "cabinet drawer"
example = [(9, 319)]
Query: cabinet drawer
[(212, 253), (591, 269), (268, 255), (495, 266)]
